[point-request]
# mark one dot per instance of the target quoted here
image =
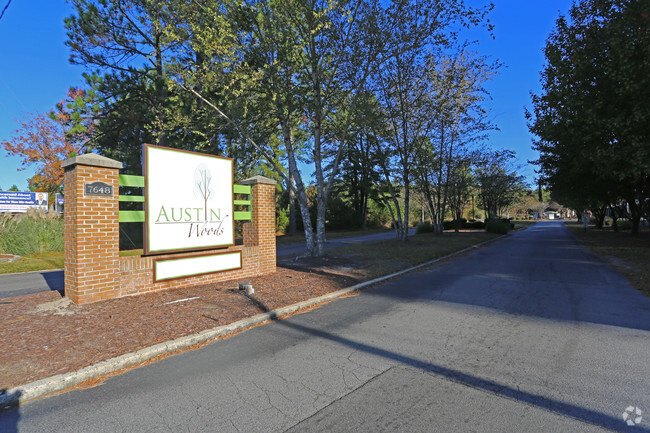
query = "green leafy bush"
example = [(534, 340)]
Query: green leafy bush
[(624, 224), (425, 227), (378, 215), (497, 226), (31, 233), (451, 225), (281, 220)]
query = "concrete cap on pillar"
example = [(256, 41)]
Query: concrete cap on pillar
[(93, 160), (257, 180)]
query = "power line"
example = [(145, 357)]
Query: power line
[(5, 8)]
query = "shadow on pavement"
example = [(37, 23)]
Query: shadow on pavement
[(550, 278), (562, 408), (54, 280), (9, 418)]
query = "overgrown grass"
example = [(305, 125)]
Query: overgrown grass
[(388, 256), (34, 232), (35, 262), (629, 254)]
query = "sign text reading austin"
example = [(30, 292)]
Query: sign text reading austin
[(210, 225)]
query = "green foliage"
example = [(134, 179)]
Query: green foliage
[(497, 226), (464, 224), (281, 220), (624, 225), (378, 215), (271, 84), (31, 233), (592, 115), (499, 184), (340, 214), (455, 224), (425, 227)]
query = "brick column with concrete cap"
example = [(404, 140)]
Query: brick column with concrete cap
[(91, 230), (260, 231)]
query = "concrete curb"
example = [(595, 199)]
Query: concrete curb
[(23, 393)]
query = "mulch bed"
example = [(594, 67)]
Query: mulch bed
[(44, 334)]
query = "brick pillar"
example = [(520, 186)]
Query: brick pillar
[(91, 230), (260, 232)]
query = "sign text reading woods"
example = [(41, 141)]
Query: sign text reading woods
[(189, 200)]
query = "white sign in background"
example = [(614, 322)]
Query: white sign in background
[(189, 199)]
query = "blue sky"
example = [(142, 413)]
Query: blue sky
[(35, 73)]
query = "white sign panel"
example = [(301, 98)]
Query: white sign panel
[(189, 266), (189, 200)]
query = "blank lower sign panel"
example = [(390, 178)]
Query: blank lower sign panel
[(168, 269)]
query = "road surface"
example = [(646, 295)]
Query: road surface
[(30, 282), (531, 333)]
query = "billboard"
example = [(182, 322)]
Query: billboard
[(188, 200), (15, 201)]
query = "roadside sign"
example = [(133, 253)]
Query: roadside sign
[(16, 201)]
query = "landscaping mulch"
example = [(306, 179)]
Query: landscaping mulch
[(45, 334)]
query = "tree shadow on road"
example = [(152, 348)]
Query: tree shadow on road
[(9, 411), (584, 414), (552, 279)]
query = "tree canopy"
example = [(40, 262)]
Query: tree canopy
[(592, 115)]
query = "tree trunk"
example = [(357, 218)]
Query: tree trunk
[(293, 228), (300, 189), (599, 213), (635, 215)]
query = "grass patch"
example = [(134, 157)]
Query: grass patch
[(389, 256), (299, 237), (523, 224), (34, 262), (34, 232), (629, 254)]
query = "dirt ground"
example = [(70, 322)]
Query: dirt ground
[(45, 334)]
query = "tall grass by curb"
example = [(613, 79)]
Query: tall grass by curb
[(34, 232)]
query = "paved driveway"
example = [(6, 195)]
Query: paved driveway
[(532, 333)]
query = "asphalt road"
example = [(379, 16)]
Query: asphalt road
[(30, 282), (530, 334), (43, 281)]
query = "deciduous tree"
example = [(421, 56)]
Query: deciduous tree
[(45, 140), (592, 114)]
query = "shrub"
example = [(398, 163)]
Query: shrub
[(31, 233), (475, 225), (340, 214), (425, 227), (281, 220), (378, 215), (497, 226), (624, 224)]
